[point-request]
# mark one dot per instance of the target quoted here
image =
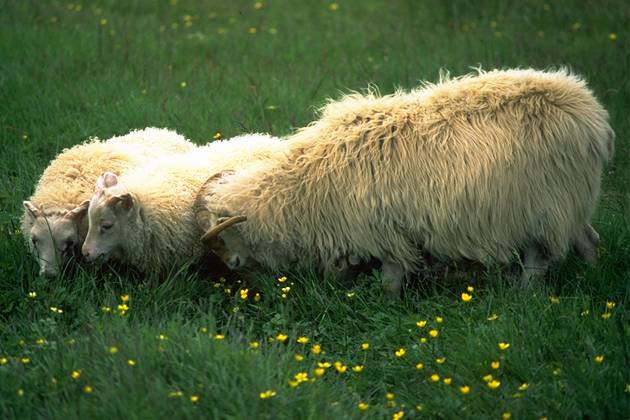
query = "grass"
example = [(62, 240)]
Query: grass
[(70, 71)]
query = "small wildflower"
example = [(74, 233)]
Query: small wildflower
[(466, 297), (554, 299), (282, 279), (363, 406), (365, 346), (440, 360), (316, 349), (627, 389), (298, 357), (301, 377), (88, 389), (267, 394), (20, 392), (470, 289), (40, 342), (357, 368), (183, 84), (122, 309), (56, 310), (103, 22), (257, 297), (217, 135), (3, 361), (523, 386), (333, 7), (350, 294), (465, 389), (557, 371), (219, 337), (599, 358), (487, 378), (585, 312), (606, 315), (389, 396), (610, 305), (131, 362), (282, 337), (254, 345), (506, 415), (434, 333), (252, 30), (194, 399), (243, 293), (495, 364), (203, 330), (612, 36), (494, 384), (113, 350), (435, 377), (398, 415), (419, 365), (324, 365), (400, 352), (341, 368), (32, 295), (447, 381), (124, 298), (421, 324), (302, 340), (175, 394), (76, 374), (504, 345), (439, 319), (25, 360), (493, 317), (106, 309), (162, 337), (258, 5), (423, 340), (320, 371)]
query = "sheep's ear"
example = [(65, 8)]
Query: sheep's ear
[(124, 201), (108, 179), (79, 212), (31, 209), (222, 224)]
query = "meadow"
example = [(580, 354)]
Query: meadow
[(106, 342)]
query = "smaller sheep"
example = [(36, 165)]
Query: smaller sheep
[(145, 217), (484, 167), (53, 223)]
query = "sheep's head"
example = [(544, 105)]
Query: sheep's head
[(111, 210), (226, 242), (53, 236)]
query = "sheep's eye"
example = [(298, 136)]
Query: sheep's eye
[(106, 226), (34, 241)]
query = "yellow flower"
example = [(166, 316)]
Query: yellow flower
[(316, 349), (448, 381), (131, 362), (495, 364), (554, 299), (599, 358), (440, 360), (557, 371), (301, 377), (400, 352), (56, 310), (106, 309), (252, 30), (124, 298), (32, 295), (523, 386), (363, 406), (258, 5), (243, 293), (606, 315), (3, 361), (610, 305), (365, 346), (282, 337), (466, 297), (298, 357), (439, 319), (333, 7), (504, 345), (612, 36), (122, 309), (40, 342), (254, 345), (267, 394), (194, 399), (324, 365), (183, 84), (320, 371), (103, 22), (88, 389), (487, 378), (357, 368), (76, 374), (302, 340), (217, 135), (493, 317), (113, 349), (282, 279), (257, 297), (162, 337), (585, 312), (434, 333), (470, 289), (627, 390), (204, 330), (494, 384), (423, 339), (25, 360), (219, 337), (399, 415), (506, 415), (389, 396), (435, 377), (421, 323), (419, 365), (465, 389), (20, 392), (341, 368), (350, 294)]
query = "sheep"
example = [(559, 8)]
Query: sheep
[(145, 219), (53, 222), (482, 167)]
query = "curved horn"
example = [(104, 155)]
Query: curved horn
[(212, 233)]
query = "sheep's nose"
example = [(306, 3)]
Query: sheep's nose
[(87, 252)]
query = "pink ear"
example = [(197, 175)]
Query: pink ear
[(32, 209), (78, 212), (108, 179)]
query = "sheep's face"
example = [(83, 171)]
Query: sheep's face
[(227, 243), (53, 238), (110, 212)]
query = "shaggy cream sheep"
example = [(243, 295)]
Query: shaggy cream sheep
[(145, 217), (483, 167), (53, 224)]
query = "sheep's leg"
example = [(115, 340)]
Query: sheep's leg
[(534, 265), (391, 279), (587, 243)]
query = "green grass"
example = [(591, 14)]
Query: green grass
[(65, 77)]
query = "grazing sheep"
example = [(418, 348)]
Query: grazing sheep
[(483, 167), (145, 217), (53, 224)]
